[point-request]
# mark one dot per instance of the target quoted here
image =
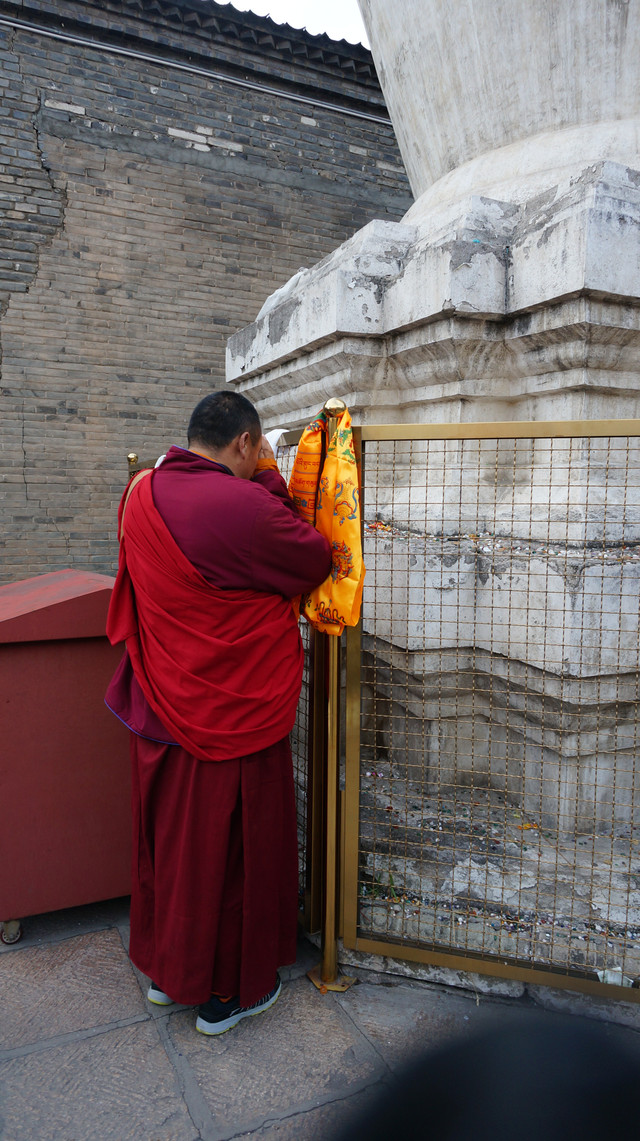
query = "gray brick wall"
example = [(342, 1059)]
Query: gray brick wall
[(146, 213)]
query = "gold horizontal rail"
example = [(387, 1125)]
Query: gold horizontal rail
[(501, 430), (489, 430), (498, 968)]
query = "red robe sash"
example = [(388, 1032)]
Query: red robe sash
[(222, 669)]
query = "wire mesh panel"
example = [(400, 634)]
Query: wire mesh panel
[(300, 750), (499, 802), (301, 737)]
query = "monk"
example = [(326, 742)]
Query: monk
[(212, 551)]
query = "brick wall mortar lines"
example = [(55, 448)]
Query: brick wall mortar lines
[(142, 256)]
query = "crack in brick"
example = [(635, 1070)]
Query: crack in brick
[(24, 454), (47, 232)]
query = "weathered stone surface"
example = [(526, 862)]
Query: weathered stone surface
[(586, 1006), (67, 987), (314, 1055), (471, 307), (554, 69), (316, 1124), (115, 1086), (415, 1018), (403, 1021), (490, 266), (344, 293)]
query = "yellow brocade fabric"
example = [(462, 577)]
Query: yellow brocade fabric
[(330, 500)]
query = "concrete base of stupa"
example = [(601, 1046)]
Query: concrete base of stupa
[(487, 310), (490, 310)]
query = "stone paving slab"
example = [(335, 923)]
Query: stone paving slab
[(300, 1054), (414, 1019), (73, 985), (113, 1086), (84, 1057), (315, 1124), (410, 1020)]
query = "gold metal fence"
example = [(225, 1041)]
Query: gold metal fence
[(491, 807)]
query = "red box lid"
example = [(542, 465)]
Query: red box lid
[(49, 607)]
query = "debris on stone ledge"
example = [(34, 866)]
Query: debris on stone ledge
[(486, 542)]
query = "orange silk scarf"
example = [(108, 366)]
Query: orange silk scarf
[(330, 500)]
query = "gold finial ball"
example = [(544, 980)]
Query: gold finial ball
[(132, 458), (334, 406)]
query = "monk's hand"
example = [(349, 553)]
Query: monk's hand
[(266, 451)]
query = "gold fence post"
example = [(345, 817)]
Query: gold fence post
[(316, 748), (325, 976)]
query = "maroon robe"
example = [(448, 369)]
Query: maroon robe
[(214, 895)]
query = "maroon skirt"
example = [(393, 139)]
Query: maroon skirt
[(214, 870)]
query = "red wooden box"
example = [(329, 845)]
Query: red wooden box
[(65, 831)]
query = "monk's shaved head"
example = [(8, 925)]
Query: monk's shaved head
[(220, 417)]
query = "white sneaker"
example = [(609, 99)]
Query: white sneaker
[(158, 997)]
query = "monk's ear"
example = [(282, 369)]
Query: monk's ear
[(244, 442)]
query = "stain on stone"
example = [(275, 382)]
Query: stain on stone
[(522, 324), (280, 320), (463, 251), (241, 342)]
